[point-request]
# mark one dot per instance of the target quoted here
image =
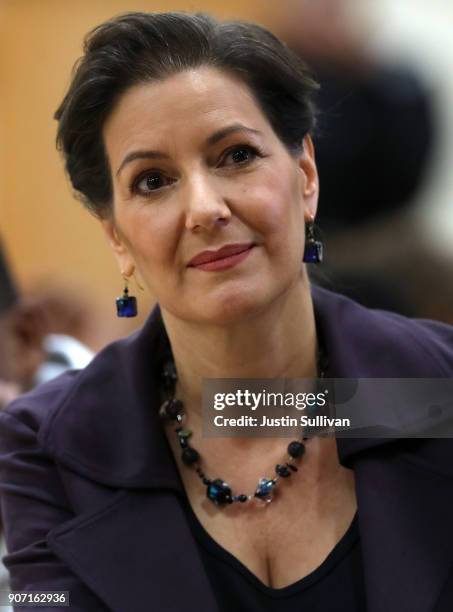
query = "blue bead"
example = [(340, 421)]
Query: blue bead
[(264, 488), (126, 306), (219, 492)]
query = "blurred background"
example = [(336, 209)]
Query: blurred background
[(384, 148)]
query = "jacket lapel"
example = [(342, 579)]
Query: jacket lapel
[(137, 553)]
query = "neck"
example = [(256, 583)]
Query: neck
[(277, 343)]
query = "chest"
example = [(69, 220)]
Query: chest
[(284, 541)]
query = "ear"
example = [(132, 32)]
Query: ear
[(310, 183), (119, 247)]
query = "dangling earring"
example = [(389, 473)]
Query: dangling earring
[(126, 306), (313, 247)]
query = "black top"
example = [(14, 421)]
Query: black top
[(336, 585)]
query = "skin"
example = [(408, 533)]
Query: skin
[(254, 320)]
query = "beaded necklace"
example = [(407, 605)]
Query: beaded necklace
[(217, 490)]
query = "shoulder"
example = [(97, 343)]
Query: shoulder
[(368, 342), (34, 407), (426, 330), (433, 338)]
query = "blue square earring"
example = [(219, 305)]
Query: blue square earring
[(126, 305), (313, 251)]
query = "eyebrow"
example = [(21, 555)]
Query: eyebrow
[(210, 141)]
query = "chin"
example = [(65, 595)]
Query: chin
[(231, 308)]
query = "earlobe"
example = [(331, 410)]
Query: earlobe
[(119, 247)]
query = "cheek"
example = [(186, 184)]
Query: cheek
[(152, 237), (276, 206)]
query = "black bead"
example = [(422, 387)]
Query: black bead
[(296, 449), (242, 498), (292, 467), (183, 442), (206, 481), (171, 408), (189, 455), (282, 471), (174, 408)]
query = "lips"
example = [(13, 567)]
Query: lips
[(226, 251)]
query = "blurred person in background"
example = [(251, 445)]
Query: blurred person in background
[(29, 353), (21, 338), (8, 296), (374, 144), (36, 344)]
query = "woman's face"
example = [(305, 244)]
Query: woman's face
[(196, 167)]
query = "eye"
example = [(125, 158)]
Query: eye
[(240, 154), (150, 181)]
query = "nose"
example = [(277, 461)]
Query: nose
[(206, 208)]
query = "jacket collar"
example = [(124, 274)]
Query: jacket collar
[(107, 427)]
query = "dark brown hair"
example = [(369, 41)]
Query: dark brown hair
[(143, 47)]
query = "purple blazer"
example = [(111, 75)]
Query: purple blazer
[(89, 488)]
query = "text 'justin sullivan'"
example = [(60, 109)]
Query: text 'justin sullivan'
[(251, 400), (284, 421)]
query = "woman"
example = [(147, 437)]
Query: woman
[(190, 141)]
